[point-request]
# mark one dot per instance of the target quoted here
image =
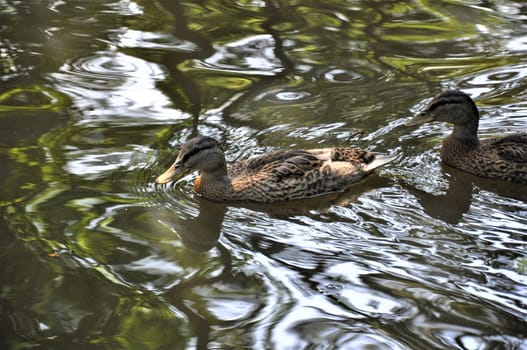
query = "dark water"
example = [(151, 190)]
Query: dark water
[(96, 96)]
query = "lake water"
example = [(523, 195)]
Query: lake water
[(96, 98)]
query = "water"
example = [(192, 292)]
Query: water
[(97, 97)]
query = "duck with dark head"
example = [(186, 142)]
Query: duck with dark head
[(276, 176), (497, 158)]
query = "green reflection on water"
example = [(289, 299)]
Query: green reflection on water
[(147, 325), (154, 17), (35, 98)]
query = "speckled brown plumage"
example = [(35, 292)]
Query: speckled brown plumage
[(275, 176), (498, 158)]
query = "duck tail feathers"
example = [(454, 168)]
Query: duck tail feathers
[(380, 160)]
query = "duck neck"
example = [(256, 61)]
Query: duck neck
[(216, 176), (463, 139), (466, 127), (213, 184), (464, 136), (467, 131)]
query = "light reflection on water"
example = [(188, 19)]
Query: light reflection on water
[(416, 256), (119, 86)]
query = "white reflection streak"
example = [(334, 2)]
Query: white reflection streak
[(114, 84), (129, 38), (127, 8), (256, 52)]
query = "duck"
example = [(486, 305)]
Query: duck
[(280, 175), (502, 158)]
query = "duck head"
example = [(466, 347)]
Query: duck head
[(452, 106), (201, 153)]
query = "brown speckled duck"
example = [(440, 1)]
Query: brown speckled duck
[(276, 176), (498, 158)]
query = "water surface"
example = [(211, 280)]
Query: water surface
[(97, 97)]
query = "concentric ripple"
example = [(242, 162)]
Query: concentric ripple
[(110, 85)]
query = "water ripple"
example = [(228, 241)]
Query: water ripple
[(115, 87), (506, 77), (251, 56), (342, 76), (128, 38)]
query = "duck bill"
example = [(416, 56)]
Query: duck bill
[(175, 172), (419, 119)]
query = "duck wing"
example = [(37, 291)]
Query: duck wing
[(511, 148), (297, 163), (283, 164), (293, 174)]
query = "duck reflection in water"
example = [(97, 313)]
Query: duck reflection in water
[(200, 233), (451, 205)]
